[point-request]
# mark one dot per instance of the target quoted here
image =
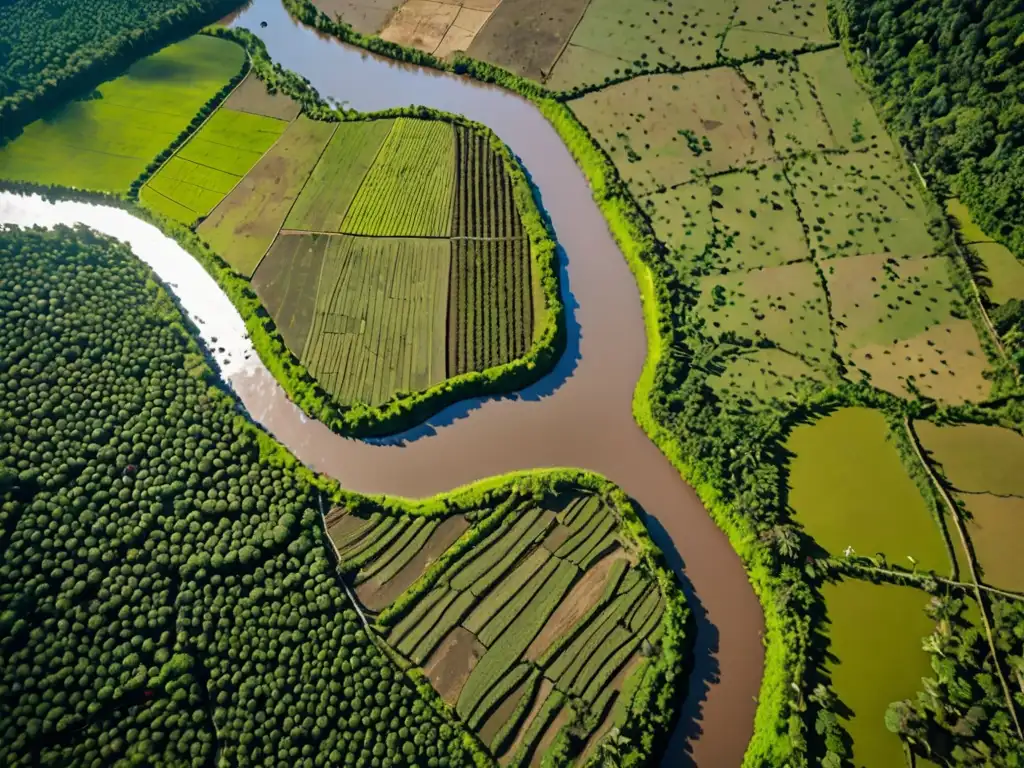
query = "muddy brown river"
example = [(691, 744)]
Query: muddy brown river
[(580, 415)]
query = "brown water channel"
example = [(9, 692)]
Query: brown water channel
[(578, 416)]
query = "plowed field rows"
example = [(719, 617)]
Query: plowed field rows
[(484, 205)]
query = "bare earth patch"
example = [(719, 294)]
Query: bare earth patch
[(581, 598), (449, 666), (440, 27), (376, 596), (543, 691), (501, 715), (549, 737), (367, 17), (996, 528)]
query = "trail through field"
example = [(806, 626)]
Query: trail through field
[(580, 415)]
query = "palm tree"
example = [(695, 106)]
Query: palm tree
[(613, 747), (784, 540)]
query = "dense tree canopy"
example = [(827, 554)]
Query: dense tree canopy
[(950, 76), (165, 597)]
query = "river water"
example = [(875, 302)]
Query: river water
[(580, 415)]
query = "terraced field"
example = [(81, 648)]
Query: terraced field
[(534, 618)]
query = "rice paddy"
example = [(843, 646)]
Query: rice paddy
[(105, 140)]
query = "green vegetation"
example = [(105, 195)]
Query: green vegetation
[(408, 190), (790, 104), (104, 140), (485, 204), (159, 536), (999, 274)]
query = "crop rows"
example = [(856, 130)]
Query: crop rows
[(408, 189), (484, 203), (490, 317)]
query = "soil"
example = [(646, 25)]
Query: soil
[(549, 737), (583, 596), (342, 525), (543, 691), (376, 596), (501, 715), (449, 665), (528, 36), (252, 96), (367, 17)]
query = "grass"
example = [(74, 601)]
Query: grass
[(763, 375), (408, 189), (976, 458), (757, 223), (105, 141), (1002, 275), (995, 529), (797, 122), (681, 218), (379, 325), (665, 130), (210, 164), (245, 224), (777, 25), (286, 282), (324, 201), (490, 320), (848, 488), (871, 669), (860, 203)]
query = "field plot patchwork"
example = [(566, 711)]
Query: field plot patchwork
[(286, 283), (252, 96), (245, 223), (105, 142), (209, 165), (408, 190), (379, 325), (326, 197), (526, 629), (617, 37), (860, 203), (829, 496), (797, 122), (665, 130), (440, 27), (775, 25)]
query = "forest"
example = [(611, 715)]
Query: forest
[(949, 78), (166, 596)]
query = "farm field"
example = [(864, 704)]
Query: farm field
[(831, 500), (535, 618), (252, 96), (665, 130), (484, 200), (368, 17), (440, 27), (790, 105), (775, 25), (210, 164), (982, 465), (1002, 275), (875, 633), (104, 141), (681, 218), (244, 224)]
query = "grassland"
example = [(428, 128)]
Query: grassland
[(776, 25), (252, 96), (210, 164), (379, 325), (491, 315), (104, 141), (326, 197), (797, 121), (838, 509), (245, 223), (875, 658), (532, 607), (1001, 276), (408, 191), (665, 130), (681, 217)]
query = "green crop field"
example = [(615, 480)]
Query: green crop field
[(830, 498), (484, 204), (210, 164), (791, 106), (528, 591), (105, 140), (875, 658), (337, 176), (490, 320), (245, 223), (408, 189), (379, 325)]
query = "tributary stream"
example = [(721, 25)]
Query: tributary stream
[(580, 415)]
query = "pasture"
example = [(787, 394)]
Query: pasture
[(792, 109), (830, 498), (871, 669), (210, 164), (775, 25), (326, 197), (490, 317), (252, 96), (681, 218), (1001, 275), (860, 203), (535, 616), (760, 375), (756, 220), (245, 223), (408, 190), (105, 140), (380, 319), (665, 130)]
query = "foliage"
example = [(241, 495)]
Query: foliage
[(163, 574), (54, 50)]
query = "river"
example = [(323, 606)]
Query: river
[(580, 415)]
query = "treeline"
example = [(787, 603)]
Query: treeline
[(166, 597), (53, 50), (949, 78)]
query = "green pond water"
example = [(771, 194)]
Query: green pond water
[(876, 632), (848, 488)]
